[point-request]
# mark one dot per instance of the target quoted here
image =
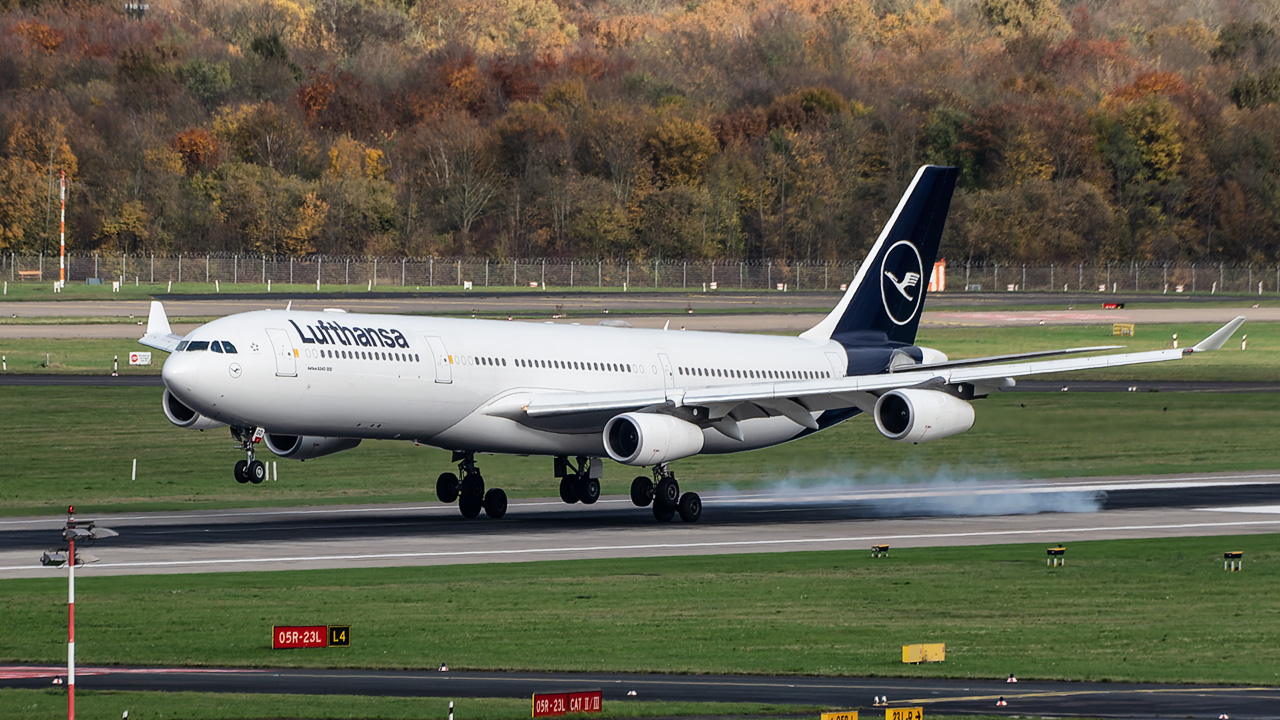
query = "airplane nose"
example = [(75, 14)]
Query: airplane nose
[(180, 372)]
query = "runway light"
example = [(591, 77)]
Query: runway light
[(1011, 679), (1001, 702)]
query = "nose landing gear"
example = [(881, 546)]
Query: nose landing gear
[(469, 491), (248, 470)]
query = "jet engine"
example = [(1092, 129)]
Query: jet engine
[(650, 438), (305, 447), (185, 417), (916, 416)]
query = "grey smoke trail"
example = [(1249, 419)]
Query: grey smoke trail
[(941, 493)]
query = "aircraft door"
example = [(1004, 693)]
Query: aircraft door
[(282, 346), (668, 378), (440, 358)]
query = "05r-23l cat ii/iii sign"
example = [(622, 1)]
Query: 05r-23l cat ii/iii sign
[(314, 383)]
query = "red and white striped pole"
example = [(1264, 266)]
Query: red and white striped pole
[(62, 253), (71, 619)]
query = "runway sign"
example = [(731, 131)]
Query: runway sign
[(904, 714), (552, 704), (925, 652), (339, 636), (299, 636), (286, 637), (847, 715)]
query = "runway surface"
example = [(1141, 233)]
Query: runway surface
[(1102, 700), (781, 520)]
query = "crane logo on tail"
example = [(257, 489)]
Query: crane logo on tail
[(901, 272)]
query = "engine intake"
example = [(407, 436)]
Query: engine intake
[(916, 416), (650, 439), (305, 447), (183, 416)]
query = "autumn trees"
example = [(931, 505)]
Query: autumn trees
[(1136, 131)]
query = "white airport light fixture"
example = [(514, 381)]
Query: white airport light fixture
[(83, 532)]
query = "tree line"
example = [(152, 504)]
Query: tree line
[(1105, 131)]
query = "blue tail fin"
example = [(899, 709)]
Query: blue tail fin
[(883, 305)]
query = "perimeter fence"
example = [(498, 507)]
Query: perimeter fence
[(442, 272)]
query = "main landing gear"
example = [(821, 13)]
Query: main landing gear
[(469, 491), (248, 470), (664, 492), (580, 483)]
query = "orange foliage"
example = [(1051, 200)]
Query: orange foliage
[(315, 94), (197, 147), (41, 35), (1152, 83)]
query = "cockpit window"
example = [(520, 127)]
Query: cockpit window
[(216, 346), (228, 348), (182, 346), (197, 345)]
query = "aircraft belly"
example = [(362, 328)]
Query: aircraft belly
[(487, 433), (756, 433)]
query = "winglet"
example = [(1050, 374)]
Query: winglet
[(157, 321), (1218, 338), (159, 335)]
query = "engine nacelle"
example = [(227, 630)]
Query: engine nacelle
[(650, 438), (183, 416), (916, 416), (305, 447)]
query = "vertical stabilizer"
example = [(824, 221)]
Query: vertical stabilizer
[(884, 303)]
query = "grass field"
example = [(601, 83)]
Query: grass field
[(77, 445), (35, 704), (1134, 610)]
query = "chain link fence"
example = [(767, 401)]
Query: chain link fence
[(370, 272)]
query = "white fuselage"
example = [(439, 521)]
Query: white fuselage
[(451, 383)]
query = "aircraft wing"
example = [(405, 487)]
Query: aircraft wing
[(797, 398), (159, 335)]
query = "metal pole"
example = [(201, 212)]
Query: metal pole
[(71, 627), (62, 251), (206, 268)]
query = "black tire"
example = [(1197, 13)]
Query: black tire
[(470, 505), (242, 471), (447, 487), (641, 491), (668, 492), (568, 492), (495, 503), (663, 513), (472, 484), (588, 490), (690, 507), (257, 472)]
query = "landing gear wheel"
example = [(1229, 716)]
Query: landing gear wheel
[(257, 472), (568, 493), (495, 503), (588, 490), (447, 487), (242, 471), (668, 492), (471, 485), (690, 507), (641, 491), (663, 513), (470, 504)]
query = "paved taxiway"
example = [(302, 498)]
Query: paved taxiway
[(1109, 700), (778, 520)]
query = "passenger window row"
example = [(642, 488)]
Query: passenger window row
[(755, 374), (218, 346), (368, 355), (577, 365)]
